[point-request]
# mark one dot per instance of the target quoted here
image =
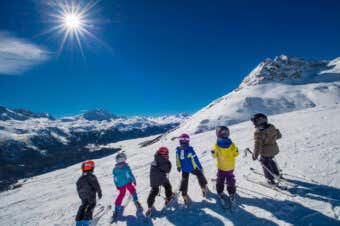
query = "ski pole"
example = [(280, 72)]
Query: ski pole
[(266, 168)]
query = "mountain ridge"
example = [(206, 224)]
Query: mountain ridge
[(274, 86)]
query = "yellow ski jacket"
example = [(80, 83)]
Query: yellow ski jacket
[(225, 156)]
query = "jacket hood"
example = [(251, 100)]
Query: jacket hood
[(120, 165), (265, 127), (186, 147), (224, 142)]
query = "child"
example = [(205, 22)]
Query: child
[(265, 137), (87, 187), (225, 152), (124, 180), (187, 162), (160, 167)]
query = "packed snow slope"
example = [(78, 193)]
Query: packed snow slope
[(310, 148), (275, 86)]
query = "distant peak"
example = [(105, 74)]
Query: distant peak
[(285, 69), (99, 115), (21, 114)]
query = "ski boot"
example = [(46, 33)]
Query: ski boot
[(186, 199), (169, 199), (232, 197), (83, 223), (149, 211), (222, 200), (271, 182), (205, 191), (116, 213), (138, 205)]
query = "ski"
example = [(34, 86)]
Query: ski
[(103, 210), (171, 202), (281, 181), (274, 187), (148, 215), (302, 178)]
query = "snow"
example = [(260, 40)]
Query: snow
[(272, 98), (310, 147)]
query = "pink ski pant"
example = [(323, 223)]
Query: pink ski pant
[(122, 191)]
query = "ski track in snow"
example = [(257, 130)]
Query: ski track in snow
[(310, 147)]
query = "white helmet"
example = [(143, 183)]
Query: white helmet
[(121, 157)]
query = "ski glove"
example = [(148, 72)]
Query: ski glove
[(254, 157), (178, 169), (134, 183), (100, 195)]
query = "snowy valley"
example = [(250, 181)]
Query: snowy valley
[(32, 143)]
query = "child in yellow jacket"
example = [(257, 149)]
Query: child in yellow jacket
[(225, 152)]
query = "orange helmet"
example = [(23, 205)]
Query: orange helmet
[(88, 165)]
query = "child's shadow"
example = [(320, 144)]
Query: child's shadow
[(314, 191), (138, 219), (291, 212), (202, 213)]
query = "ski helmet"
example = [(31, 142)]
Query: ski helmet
[(259, 119), (222, 132), (88, 165), (121, 157), (164, 152), (184, 139)]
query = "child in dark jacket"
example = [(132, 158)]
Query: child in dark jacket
[(87, 188), (124, 180), (187, 162), (160, 167)]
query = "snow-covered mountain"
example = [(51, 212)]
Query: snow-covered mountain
[(309, 157), (275, 86), (20, 114), (32, 143)]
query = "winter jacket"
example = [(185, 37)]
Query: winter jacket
[(265, 141), (88, 186), (187, 159), (225, 152), (122, 174), (160, 167)]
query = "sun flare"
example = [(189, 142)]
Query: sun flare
[(72, 21)]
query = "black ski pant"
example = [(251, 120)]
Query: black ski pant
[(155, 190), (185, 180), (269, 163), (85, 211)]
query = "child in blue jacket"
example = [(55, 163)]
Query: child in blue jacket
[(124, 180), (187, 162)]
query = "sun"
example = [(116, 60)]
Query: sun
[(72, 21)]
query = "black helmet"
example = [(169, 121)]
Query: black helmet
[(222, 132), (259, 119)]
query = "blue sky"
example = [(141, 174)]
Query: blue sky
[(154, 57)]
